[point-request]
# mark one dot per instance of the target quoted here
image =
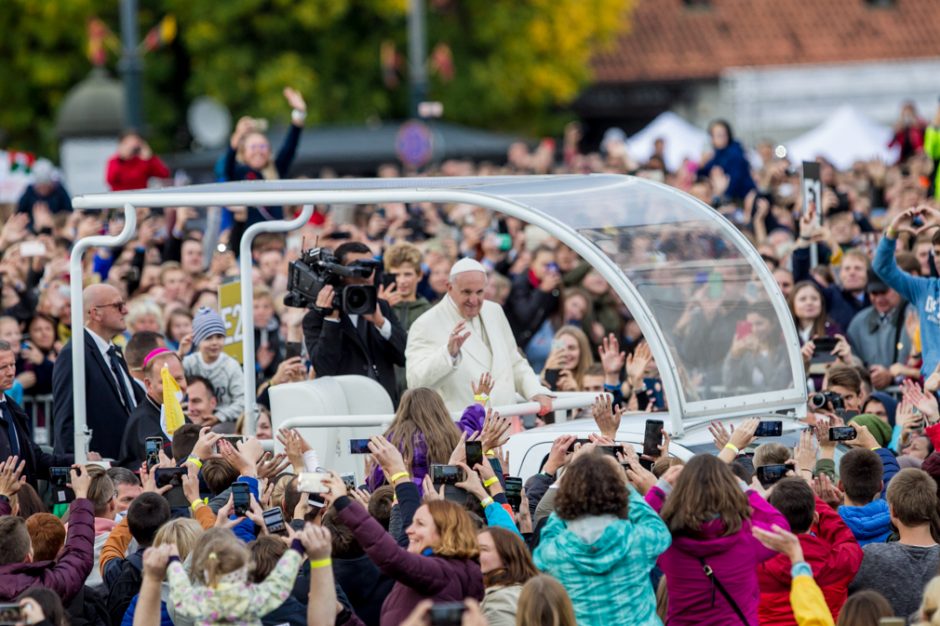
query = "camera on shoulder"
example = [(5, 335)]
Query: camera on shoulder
[(318, 267)]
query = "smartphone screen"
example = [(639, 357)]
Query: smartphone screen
[(652, 437), (152, 447), (445, 474), (513, 489), (11, 613), (474, 451), (771, 474), (842, 433), (359, 446), (58, 479), (770, 428), (241, 498), (274, 521)]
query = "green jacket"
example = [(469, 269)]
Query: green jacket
[(408, 312), (932, 149)]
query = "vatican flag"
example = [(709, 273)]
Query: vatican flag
[(171, 413)]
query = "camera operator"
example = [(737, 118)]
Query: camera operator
[(341, 343)]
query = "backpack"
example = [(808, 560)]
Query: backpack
[(126, 586)]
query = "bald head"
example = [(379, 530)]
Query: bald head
[(105, 309)]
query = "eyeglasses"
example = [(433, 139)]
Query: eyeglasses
[(120, 305)]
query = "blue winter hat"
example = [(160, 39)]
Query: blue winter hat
[(205, 324)]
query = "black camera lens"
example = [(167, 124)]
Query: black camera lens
[(817, 400)]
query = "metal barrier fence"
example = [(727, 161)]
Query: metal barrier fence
[(39, 409)]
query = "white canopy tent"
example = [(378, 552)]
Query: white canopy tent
[(666, 255), (682, 139), (846, 136)]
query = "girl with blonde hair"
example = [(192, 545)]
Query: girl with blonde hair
[(217, 589)]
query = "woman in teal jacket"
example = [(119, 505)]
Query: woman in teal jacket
[(601, 543)]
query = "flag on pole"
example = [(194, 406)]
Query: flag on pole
[(171, 413)]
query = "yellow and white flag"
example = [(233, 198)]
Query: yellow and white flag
[(171, 413)]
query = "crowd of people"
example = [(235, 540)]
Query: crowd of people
[(472, 310)]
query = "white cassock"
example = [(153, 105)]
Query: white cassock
[(490, 348)]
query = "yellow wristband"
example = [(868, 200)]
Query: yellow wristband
[(733, 448), (395, 477), (195, 504), (491, 454), (492, 480), (321, 563), (890, 233), (195, 461), (875, 448), (481, 398), (485, 502)]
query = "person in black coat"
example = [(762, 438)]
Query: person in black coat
[(16, 429), (367, 345), (110, 393), (535, 295)]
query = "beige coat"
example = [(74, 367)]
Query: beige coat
[(500, 603), (429, 364)]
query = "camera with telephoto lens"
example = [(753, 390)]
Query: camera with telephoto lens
[(318, 267)]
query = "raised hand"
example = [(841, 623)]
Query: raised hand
[(457, 338), (606, 416), (387, 456), (612, 357), (294, 99), (495, 430), (638, 362), (11, 476), (484, 386)]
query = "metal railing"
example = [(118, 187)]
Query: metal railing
[(562, 403), (40, 407)]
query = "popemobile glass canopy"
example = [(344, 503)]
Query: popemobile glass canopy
[(716, 322)]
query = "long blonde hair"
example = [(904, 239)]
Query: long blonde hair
[(929, 614), (585, 359), (422, 411), (219, 552), (183, 532)]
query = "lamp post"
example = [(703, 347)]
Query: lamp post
[(417, 55), (131, 64)]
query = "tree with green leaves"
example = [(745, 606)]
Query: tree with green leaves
[(506, 64)]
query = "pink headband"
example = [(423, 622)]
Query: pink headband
[(153, 354)]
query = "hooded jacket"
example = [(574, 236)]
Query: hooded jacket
[(833, 553), (66, 575), (693, 598), (417, 577), (593, 556), (870, 523)]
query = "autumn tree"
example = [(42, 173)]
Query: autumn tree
[(514, 62)]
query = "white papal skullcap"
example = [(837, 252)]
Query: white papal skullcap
[(466, 265)]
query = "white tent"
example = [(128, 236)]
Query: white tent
[(846, 136), (683, 140)]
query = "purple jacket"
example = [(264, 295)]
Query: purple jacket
[(693, 599), (66, 575), (471, 421), (417, 577)]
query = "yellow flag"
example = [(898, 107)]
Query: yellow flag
[(171, 415)]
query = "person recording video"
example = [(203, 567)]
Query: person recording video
[(341, 339)]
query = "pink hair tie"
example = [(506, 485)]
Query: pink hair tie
[(154, 353)]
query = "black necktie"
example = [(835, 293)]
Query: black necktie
[(115, 360), (11, 428)]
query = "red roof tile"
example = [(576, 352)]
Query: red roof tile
[(668, 40)]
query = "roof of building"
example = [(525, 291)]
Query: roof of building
[(689, 39)]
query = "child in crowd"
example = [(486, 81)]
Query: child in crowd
[(220, 369), (218, 590)]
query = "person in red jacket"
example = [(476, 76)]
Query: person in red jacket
[(829, 547), (134, 164)]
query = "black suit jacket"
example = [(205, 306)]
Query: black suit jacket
[(338, 348), (105, 412), (37, 461)]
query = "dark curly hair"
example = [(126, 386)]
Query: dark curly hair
[(593, 484)]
